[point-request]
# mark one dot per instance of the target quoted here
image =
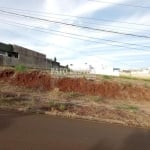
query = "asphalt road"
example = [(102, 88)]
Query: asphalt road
[(41, 132)]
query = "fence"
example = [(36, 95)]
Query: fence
[(63, 72)]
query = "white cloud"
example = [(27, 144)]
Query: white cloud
[(80, 8), (90, 7), (77, 50)]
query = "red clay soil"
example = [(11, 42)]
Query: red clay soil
[(6, 74), (33, 80), (106, 89)]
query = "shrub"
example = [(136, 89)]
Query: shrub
[(20, 68), (62, 107)]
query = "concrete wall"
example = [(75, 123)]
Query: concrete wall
[(8, 61), (55, 64), (1, 60), (48, 63), (27, 58), (30, 58)]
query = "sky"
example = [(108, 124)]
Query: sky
[(80, 46)]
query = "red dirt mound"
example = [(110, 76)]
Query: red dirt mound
[(5, 74), (106, 89), (33, 79)]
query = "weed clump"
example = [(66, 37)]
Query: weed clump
[(20, 68)]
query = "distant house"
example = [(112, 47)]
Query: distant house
[(12, 55), (139, 73), (116, 71)]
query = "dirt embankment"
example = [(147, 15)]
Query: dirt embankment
[(106, 89)]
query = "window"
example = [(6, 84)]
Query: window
[(13, 54)]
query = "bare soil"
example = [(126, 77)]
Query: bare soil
[(104, 100), (106, 89)]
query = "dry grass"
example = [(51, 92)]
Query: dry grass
[(127, 107), (145, 81), (76, 105)]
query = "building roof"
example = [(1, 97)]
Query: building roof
[(6, 47)]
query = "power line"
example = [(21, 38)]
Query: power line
[(74, 25), (73, 18), (121, 4), (89, 39), (86, 18)]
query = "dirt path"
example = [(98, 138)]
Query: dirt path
[(37, 132)]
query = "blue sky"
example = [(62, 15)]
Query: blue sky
[(75, 51)]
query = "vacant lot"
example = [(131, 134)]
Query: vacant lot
[(115, 100)]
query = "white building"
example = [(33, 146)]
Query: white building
[(97, 69)]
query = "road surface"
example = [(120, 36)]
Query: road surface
[(41, 132)]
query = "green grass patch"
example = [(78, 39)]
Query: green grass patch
[(62, 107), (127, 107), (12, 101), (134, 78), (20, 68), (52, 103), (57, 106), (107, 77), (97, 99)]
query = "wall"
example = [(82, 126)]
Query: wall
[(30, 58), (8, 61), (55, 64), (1, 60), (12, 55)]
